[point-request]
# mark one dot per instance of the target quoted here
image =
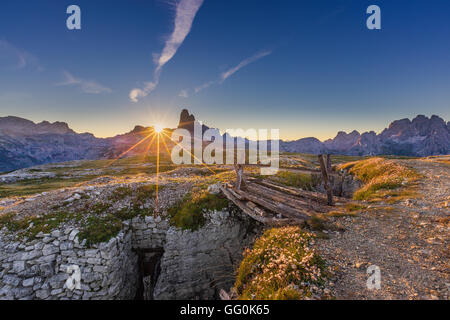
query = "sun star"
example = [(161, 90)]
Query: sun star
[(158, 128)]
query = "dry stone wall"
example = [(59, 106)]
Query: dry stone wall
[(193, 263)]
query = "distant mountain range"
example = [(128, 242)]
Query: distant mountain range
[(24, 143), (420, 137)]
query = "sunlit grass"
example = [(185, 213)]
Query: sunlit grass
[(189, 212), (306, 181), (380, 177), (34, 186)]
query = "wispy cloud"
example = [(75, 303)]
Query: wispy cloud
[(225, 75), (87, 86), (204, 86), (243, 63), (183, 93), (22, 58), (186, 11)]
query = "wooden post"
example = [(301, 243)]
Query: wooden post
[(329, 164), (240, 181), (326, 181)]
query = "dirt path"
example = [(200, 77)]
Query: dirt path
[(408, 241)]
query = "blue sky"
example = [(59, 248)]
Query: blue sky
[(309, 68)]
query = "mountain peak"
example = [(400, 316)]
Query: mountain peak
[(21, 127)]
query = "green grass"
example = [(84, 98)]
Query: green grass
[(312, 159), (8, 220), (29, 227), (317, 222), (143, 193), (281, 266), (120, 193), (100, 229), (97, 222), (123, 167), (304, 181), (379, 176), (188, 213), (34, 186)]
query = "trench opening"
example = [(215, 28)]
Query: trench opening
[(149, 268)]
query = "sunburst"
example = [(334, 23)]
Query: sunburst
[(159, 134)]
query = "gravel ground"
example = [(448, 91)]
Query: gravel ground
[(408, 241)]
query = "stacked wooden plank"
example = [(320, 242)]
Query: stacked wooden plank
[(274, 204)]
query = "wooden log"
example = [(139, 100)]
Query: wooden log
[(326, 181), (277, 208), (315, 196), (241, 205), (256, 209), (301, 204), (260, 215), (251, 205), (304, 194), (235, 194)]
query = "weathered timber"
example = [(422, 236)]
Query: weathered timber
[(315, 196), (329, 171), (310, 195), (240, 180), (230, 189), (288, 199), (326, 180), (271, 221), (277, 208)]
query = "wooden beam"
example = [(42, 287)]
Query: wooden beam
[(301, 204), (277, 208), (240, 179), (326, 181), (316, 196), (271, 221), (329, 171)]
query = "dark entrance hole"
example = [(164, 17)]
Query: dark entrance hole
[(149, 268)]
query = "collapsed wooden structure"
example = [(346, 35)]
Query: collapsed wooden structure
[(274, 204)]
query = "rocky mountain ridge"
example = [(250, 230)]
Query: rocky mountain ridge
[(24, 143), (422, 136)]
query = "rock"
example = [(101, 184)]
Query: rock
[(55, 233), (56, 292), (11, 280), (214, 188), (28, 282), (91, 253), (18, 266), (42, 294), (73, 234), (49, 249), (46, 269)]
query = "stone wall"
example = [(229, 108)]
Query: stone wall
[(39, 269), (148, 232), (194, 264)]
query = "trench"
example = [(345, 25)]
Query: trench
[(149, 268)]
